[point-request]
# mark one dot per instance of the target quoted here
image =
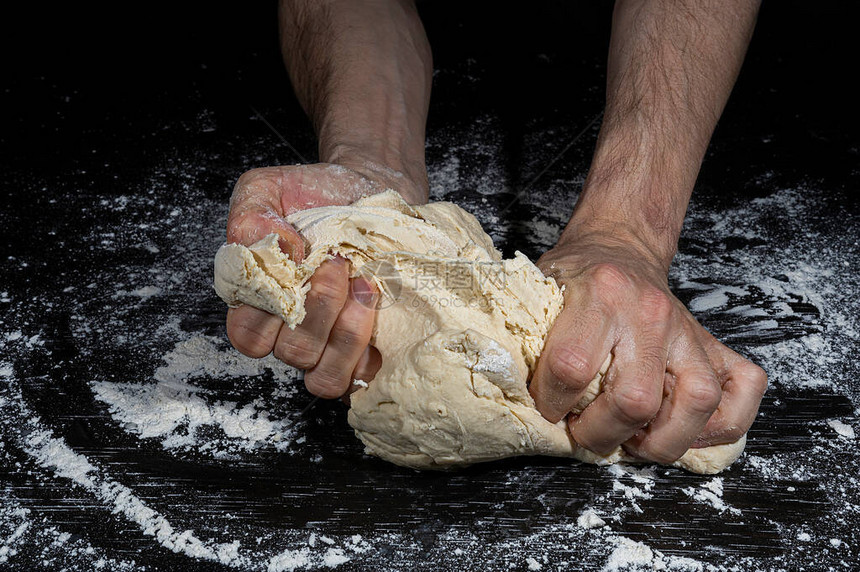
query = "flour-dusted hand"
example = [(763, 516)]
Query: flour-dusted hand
[(362, 72), (671, 384), (331, 343)]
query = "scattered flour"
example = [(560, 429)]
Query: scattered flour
[(175, 411), (711, 493), (589, 519), (843, 429), (627, 554), (146, 292)]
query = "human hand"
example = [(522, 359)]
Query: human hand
[(671, 384), (332, 341)]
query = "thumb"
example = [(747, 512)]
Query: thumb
[(248, 224)]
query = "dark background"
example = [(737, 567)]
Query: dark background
[(82, 75)]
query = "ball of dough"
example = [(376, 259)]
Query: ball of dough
[(459, 328)]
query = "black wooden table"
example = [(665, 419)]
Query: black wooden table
[(133, 437)]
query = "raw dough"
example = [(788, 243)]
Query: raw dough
[(459, 330)]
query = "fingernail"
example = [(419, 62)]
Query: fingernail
[(294, 252), (363, 292), (287, 248)]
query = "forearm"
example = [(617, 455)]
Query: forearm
[(672, 65), (362, 71)]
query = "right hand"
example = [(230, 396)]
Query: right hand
[(332, 342), (671, 384)]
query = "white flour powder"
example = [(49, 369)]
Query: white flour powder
[(174, 410)]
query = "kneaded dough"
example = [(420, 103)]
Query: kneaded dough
[(459, 329)]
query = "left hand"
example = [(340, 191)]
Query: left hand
[(332, 342), (671, 385)]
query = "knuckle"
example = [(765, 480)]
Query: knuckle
[(235, 225), (592, 317), (299, 352), (704, 395), (650, 364), (610, 284), (652, 359), (252, 176), (250, 342), (251, 346), (734, 422), (349, 332), (345, 338), (655, 304), (610, 280), (636, 404), (754, 375), (325, 385), (328, 292), (573, 366), (731, 425)]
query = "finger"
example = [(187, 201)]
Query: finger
[(691, 395), (303, 346), (251, 331), (368, 365), (333, 374), (576, 347), (255, 212), (743, 386), (633, 390)]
